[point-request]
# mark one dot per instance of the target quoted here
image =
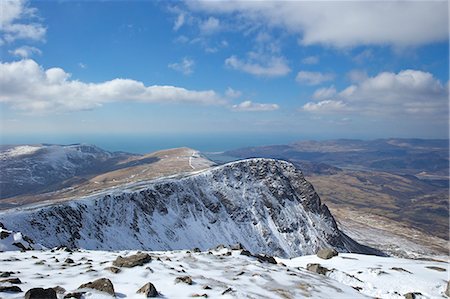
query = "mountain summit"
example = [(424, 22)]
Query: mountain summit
[(264, 204)]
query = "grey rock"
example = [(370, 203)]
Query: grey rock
[(447, 291), (10, 289), (12, 280), (138, 259), (412, 295), (76, 295), (184, 279), (113, 269), (148, 290), (317, 268), (102, 285), (59, 290), (40, 293), (327, 253)]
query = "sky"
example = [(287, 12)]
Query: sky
[(304, 69)]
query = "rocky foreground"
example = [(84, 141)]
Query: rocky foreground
[(222, 272)]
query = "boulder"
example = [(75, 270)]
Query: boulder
[(102, 285), (447, 291), (59, 290), (138, 259), (113, 269), (12, 280), (185, 279), (266, 258), (148, 290), (327, 253), (12, 289), (412, 295), (317, 268), (69, 261), (76, 295), (40, 293)]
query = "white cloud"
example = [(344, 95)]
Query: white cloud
[(232, 94), (324, 93), (310, 60), (25, 51), (409, 93), (29, 87), (260, 65), (17, 21), (363, 56), (179, 21), (313, 78), (326, 106), (357, 76), (82, 65), (254, 107), (342, 23), (185, 66), (209, 26)]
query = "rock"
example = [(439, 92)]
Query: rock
[(246, 253), (229, 290), (76, 295), (59, 290), (199, 295), (102, 285), (6, 274), (69, 261), (436, 268), (40, 293), (4, 234), (12, 289), (20, 245), (185, 279), (237, 246), (206, 287), (12, 280), (138, 259), (196, 250), (266, 258), (400, 270), (412, 295), (317, 268), (113, 269), (327, 253), (447, 291), (148, 290)]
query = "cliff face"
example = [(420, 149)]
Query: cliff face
[(265, 204)]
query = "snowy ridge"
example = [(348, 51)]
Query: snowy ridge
[(265, 204)]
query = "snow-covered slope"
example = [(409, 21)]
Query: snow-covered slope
[(225, 274), (265, 204), (37, 168)]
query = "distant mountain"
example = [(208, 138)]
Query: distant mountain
[(265, 204), (32, 173), (29, 169), (401, 156)]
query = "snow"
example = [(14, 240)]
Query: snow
[(264, 204), (20, 150), (247, 277), (382, 277)]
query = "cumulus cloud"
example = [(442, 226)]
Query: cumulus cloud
[(313, 78), (25, 51), (209, 26), (185, 66), (29, 87), (310, 60), (254, 107), (232, 93), (410, 92), (342, 23), (18, 21), (259, 65), (324, 93)]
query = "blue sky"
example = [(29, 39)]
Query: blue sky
[(304, 69)]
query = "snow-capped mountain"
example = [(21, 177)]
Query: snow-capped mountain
[(264, 204), (37, 168)]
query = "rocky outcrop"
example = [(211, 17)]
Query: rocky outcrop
[(138, 259), (102, 285), (266, 205), (327, 253)]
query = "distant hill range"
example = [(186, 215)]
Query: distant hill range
[(393, 183)]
